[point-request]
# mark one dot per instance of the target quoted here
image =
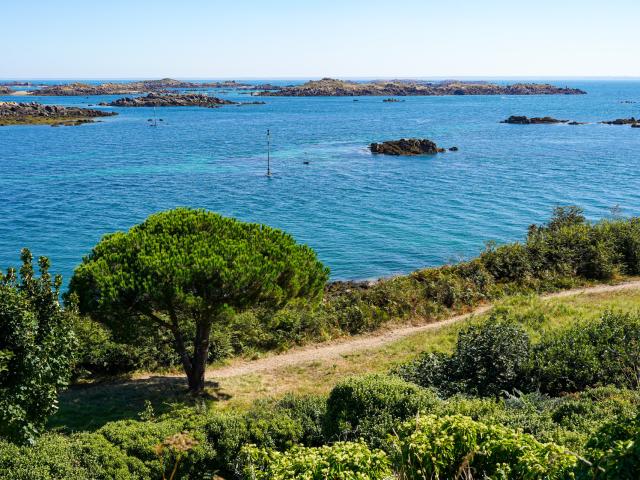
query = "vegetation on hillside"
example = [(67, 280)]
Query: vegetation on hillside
[(512, 398)]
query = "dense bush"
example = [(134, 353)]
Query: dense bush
[(489, 359), (340, 461), (495, 357), (370, 406), (614, 452), (36, 349), (606, 351), (459, 447)]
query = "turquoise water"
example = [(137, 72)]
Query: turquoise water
[(367, 216)]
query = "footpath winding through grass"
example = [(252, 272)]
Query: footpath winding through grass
[(317, 368)]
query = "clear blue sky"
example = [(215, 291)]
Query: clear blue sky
[(313, 38)]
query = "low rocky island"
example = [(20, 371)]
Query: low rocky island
[(14, 113), (5, 90), (170, 100), (522, 120), (329, 87), (406, 146), (131, 88)]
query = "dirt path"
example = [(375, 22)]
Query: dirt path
[(337, 348)]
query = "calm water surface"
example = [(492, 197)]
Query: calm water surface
[(367, 216)]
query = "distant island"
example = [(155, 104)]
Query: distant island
[(14, 113), (170, 100), (139, 87), (329, 87)]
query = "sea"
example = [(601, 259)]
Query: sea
[(367, 216)]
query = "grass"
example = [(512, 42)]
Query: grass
[(88, 407)]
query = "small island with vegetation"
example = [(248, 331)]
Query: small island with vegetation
[(329, 87), (14, 113), (139, 87), (170, 100)]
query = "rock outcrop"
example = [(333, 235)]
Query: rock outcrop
[(328, 87), (406, 146), (522, 120), (623, 121), (5, 90), (170, 100), (14, 113)]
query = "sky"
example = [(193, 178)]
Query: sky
[(316, 38)]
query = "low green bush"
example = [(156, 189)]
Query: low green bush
[(614, 452), (490, 358), (340, 461), (459, 447), (370, 406), (585, 354)]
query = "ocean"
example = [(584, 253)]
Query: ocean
[(367, 216)]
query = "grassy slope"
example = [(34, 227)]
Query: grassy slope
[(91, 406)]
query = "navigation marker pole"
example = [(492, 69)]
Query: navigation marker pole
[(268, 153)]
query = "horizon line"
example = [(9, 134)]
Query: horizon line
[(337, 77)]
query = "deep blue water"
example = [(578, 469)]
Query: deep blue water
[(367, 216)]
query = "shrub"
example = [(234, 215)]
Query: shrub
[(368, 407), (585, 354), (340, 461), (226, 433), (140, 439), (456, 446), (36, 349), (490, 358), (614, 452)]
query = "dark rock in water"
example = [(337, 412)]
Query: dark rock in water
[(635, 125), (250, 103), (13, 113), (406, 146), (170, 100), (522, 120), (628, 101), (622, 121), (392, 100), (453, 149), (576, 123)]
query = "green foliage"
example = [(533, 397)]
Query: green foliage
[(370, 406), (340, 461), (186, 270), (458, 447), (490, 358), (36, 346), (585, 354), (614, 452)]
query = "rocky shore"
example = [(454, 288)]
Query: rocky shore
[(14, 113), (338, 88), (406, 146), (170, 100), (5, 90)]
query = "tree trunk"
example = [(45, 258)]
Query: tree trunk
[(200, 357)]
